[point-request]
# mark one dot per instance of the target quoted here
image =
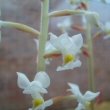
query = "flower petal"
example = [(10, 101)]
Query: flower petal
[(52, 36), (22, 81), (70, 65), (43, 78), (78, 40), (88, 96), (34, 87), (62, 42), (75, 90), (50, 49), (48, 103)]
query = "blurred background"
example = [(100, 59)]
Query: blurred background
[(18, 54)]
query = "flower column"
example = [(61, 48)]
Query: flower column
[(43, 34)]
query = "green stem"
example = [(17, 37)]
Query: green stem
[(66, 13), (19, 26), (91, 77), (43, 34), (90, 59)]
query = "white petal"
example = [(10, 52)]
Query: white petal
[(43, 78), (80, 107), (34, 87), (50, 48), (78, 40), (48, 103), (75, 90), (22, 80), (88, 96), (62, 42), (52, 36), (70, 65)]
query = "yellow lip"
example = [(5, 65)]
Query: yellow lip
[(37, 102), (69, 58)]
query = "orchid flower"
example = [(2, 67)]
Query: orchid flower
[(69, 47), (35, 88), (83, 100)]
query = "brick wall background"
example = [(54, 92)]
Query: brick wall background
[(18, 53)]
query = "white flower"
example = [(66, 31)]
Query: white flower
[(69, 47), (83, 100), (35, 87)]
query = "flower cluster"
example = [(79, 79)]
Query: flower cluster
[(68, 48), (36, 89)]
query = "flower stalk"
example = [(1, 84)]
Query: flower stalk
[(19, 26), (43, 34), (90, 61), (65, 13)]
